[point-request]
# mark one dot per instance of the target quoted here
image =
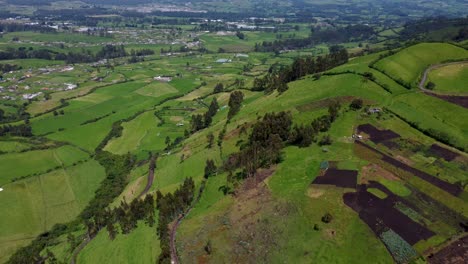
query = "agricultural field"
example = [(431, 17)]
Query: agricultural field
[(450, 79), (409, 64), (140, 138)]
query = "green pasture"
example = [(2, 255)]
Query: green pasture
[(35, 204), (450, 78), (140, 246), (15, 165), (410, 63)]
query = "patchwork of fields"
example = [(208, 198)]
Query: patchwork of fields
[(390, 186)]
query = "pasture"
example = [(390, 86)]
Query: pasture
[(450, 79), (409, 63), (35, 204)]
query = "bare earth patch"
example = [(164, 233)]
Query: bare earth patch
[(372, 171)]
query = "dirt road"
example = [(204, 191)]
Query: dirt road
[(433, 67)]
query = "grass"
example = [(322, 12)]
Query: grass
[(143, 134), (140, 246), (396, 187), (37, 162), (34, 205), (377, 193), (13, 146), (450, 78), (409, 64), (290, 212)]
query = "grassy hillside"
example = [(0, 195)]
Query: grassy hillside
[(35, 204), (276, 215), (450, 78), (409, 64)]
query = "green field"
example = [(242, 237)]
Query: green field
[(141, 246), (107, 128), (450, 78), (409, 64), (35, 204), (38, 162)]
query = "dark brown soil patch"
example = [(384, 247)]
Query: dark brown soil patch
[(324, 103), (458, 100), (442, 152), (376, 135), (391, 144), (380, 214), (455, 253), (339, 178), (453, 189)]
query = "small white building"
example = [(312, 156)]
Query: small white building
[(162, 79)]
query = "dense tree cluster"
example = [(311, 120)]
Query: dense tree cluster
[(106, 52), (418, 28), (127, 215), (17, 27), (332, 36), (117, 168), (23, 130), (9, 67), (27, 53), (278, 77), (170, 206), (272, 133), (200, 121), (264, 145)]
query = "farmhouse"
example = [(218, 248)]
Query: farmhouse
[(241, 55), (163, 78), (70, 86), (31, 96), (374, 110), (223, 60)]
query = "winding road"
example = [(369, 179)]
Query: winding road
[(433, 67)]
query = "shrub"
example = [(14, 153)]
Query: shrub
[(327, 218)]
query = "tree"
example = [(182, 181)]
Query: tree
[(210, 168), (333, 110), (167, 141), (235, 103), (356, 104), (240, 35), (326, 140), (210, 138), (111, 230), (208, 247), (430, 86), (197, 122), (327, 218), (213, 107), (219, 88)]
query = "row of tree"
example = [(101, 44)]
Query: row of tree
[(170, 207), (332, 36), (9, 67), (278, 77), (106, 52), (22, 130)]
